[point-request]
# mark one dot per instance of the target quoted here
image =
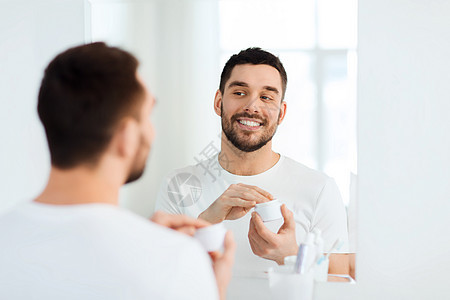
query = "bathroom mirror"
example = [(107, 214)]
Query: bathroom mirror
[(183, 46)]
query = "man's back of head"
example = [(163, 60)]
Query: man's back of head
[(95, 112), (85, 91)]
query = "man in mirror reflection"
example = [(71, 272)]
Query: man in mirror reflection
[(226, 186), (73, 241)]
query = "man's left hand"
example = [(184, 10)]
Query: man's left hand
[(273, 246)]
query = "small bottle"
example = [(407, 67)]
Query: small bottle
[(306, 255)]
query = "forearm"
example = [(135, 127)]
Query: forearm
[(210, 217), (339, 264), (351, 257)]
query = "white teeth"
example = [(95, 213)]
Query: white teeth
[(249, 123)]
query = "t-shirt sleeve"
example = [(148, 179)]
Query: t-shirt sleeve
[(163, 201), (330, 216)]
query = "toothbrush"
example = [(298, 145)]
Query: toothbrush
[(336, 246)]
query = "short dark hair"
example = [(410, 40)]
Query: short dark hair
[(254, 56), (85, 92)]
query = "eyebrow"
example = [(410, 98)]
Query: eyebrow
[(237, 83), (243, 84), (272, 89)]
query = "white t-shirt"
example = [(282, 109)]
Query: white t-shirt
[(312, 196), (97, 251)]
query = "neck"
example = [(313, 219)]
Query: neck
[(243, 163), (80, 185)]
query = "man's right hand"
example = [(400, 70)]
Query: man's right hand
[(235, 203)]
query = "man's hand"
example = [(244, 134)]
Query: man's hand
[(273, 246), (223, 264), (179, 223), (235, 203)]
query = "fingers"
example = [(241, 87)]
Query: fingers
[(223, 264), (261, 229), (158, 216), (249, 192), (288, 216), (257, 243), (256, 246), (177, 221), (182, 221), (254, 234), (215, 255), (229, 247), (189, 230), (259, 190), (234, 201)]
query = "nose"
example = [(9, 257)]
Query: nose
[(252, 105)]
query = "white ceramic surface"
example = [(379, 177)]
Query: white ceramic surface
[(286, 285)]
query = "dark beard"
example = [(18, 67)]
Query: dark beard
[(241, 143), (138, 167), (135, 175)]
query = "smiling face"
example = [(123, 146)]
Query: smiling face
[(251, 106)]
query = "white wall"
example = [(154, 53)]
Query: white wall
[(178, 47), (31, 34), (186, 79), (404, 152)]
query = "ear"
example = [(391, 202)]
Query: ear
[(217, 103), (283, 108), (126, 138)]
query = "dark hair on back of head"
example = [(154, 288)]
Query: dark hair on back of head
[(254, 56), (85, 92)]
